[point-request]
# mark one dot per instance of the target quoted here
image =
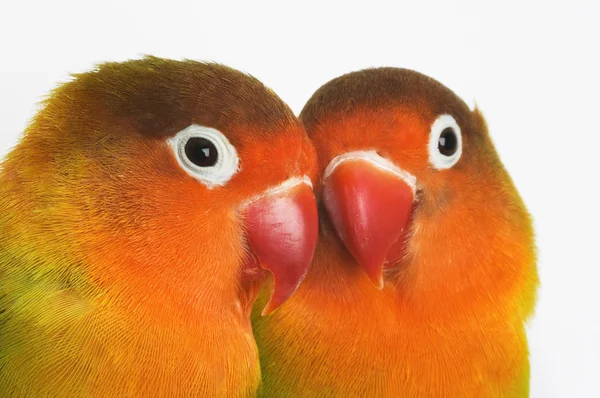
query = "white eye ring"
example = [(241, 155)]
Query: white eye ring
[(438, 159), (214, 174)]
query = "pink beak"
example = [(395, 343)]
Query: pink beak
[(370, 208), (282, 233)]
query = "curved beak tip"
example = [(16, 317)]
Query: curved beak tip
[(279, 296), (378, 282), (374, 270)]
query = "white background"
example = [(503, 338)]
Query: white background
[(532, 68)]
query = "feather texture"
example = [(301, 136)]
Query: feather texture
[(449, 321), (121, 275)]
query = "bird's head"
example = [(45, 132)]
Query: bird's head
[(415, 190), (182, 178)]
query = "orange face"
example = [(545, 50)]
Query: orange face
[(416, 202), (176, 176), (416, 192)]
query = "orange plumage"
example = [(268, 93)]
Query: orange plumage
[(459, 278), (120, 273)]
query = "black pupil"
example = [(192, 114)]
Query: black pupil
[(447, 144), (201, 152)]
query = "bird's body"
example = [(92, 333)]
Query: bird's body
[(123, 273), (345, 338), (458, 278)]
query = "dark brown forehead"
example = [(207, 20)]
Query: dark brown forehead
[(381, 89), (159, 97)]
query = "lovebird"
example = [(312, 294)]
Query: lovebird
[(142, 209), (425, 269)]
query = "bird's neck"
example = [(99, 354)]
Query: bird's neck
[(411, 289), (156, 330), (189, 326)]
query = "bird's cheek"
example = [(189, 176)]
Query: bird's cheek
[(282, 229), (370, 208)]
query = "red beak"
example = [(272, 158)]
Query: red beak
[(282, 233), (369, 201)]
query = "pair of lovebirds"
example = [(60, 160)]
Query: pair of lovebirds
[(157, 214)]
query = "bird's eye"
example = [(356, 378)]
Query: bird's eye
[(445, 142), (205, 154), (448, 143), (201, 152)]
